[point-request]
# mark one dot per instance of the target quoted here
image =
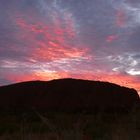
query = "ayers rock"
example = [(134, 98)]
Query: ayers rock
[(67, 95)]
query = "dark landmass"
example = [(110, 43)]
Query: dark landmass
[(68, 95)]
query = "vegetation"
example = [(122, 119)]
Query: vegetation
[(69, 126)]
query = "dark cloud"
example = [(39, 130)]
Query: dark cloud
[(134, 40), (5, 82)]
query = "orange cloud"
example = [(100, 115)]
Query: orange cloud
[(37, 75), (45, 75)]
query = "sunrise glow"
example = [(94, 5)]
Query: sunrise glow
[(45, 40)]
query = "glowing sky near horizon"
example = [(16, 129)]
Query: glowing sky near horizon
[(86, 39)]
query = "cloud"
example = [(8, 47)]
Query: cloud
[(128, 13), (4, 81), (133, 72), (49, 39), (43, 50), (133, 41)]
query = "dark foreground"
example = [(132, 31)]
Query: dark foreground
[(68, 95), (69, 109), (69, 126)]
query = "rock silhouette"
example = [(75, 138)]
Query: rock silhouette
[(67, 95)]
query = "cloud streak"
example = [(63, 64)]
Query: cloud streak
[(50, 39)]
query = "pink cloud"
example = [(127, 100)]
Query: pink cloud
[(120, 18), (57, 42), (111, 38)]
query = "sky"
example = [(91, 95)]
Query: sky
[(85, 39)]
